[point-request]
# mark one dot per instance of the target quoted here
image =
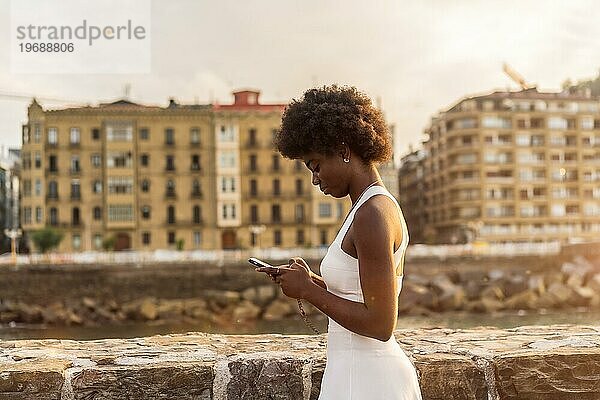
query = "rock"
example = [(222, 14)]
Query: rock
[(245, 311), (221, 298), (537, 282), (450, 296), (515, 284), (148, 309), (278, 309), (89, 302), (170, 309), (561, 292), (412, 294), (260, 295), (525, 300), (493, 292)]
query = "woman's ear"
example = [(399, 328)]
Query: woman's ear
[(345, 152)]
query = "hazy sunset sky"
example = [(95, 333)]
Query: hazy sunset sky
[(418, 57)]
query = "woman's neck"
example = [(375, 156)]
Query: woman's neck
[(362, 182)]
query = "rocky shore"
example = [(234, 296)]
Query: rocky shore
[(573, 284)]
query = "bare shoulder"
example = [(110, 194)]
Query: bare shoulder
[(379, 209)]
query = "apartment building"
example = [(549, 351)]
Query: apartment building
[(191, 176), (509, 167)]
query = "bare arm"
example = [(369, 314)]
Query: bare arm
[(373, 239)]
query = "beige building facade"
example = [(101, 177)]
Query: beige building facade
[(508, 167), (206, 177)]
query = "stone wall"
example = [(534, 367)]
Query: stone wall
[(552, 362)]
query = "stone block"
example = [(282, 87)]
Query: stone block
[(446, 376), (32, 379), (185, 381), (266, 378), (549, 376)]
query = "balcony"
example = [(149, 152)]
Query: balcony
[(170, 194), (75, 171), (51, 171), (52, 197), (195, 168), (76, 196), (196, 195)]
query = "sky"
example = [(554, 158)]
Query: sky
[(414, 57)]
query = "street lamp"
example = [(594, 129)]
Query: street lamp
[(13, 234)]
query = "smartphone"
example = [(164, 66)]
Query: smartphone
[(259, 263)]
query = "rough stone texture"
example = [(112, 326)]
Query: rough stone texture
[(537, 362)]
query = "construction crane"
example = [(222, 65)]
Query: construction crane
[(515, 76)]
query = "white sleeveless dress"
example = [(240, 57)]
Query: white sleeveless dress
[(359, 367)]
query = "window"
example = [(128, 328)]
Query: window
[(75, 216), (323, 237), (300, 237), (146, 237), (170, 215), (53, 189), (119, 160), (169, 136), (25, 134), (120, 184), (229, 211), (97, 213), (196, 190), (299, 187), (252, 137), (254, 214), (496, 122), (145, 185), (97, 187), (195, 162), (171, 237), (276, 187), (27, 215), (195, 135), (119, 133), (277, 237), (97, 241), (120, 212), (95, 134), (197, 239), (298, 165), (75, 189), (76, 241), (26, 188), (38, 160), (253, 188), (38, 187), (170, 161), (96, 160), (299, 213), (276, 166), (53, 216), (75, 136), (38, 214), (557, 123), (275, 213), (226, 134), (325, 210), (227, 184), (227, 159), (75, 165), (253, 166), (197, 214), (144, 133), (144, 160), (52, 136), (146, 212)]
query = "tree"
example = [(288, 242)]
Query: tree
[(46, 239), (108, 244)]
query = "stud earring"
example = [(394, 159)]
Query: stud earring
[(346, 160)]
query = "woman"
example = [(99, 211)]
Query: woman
[(340, 136)]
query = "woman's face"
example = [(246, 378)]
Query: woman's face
[(328, 172)]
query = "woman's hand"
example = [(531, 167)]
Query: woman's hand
[(294, 278)]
